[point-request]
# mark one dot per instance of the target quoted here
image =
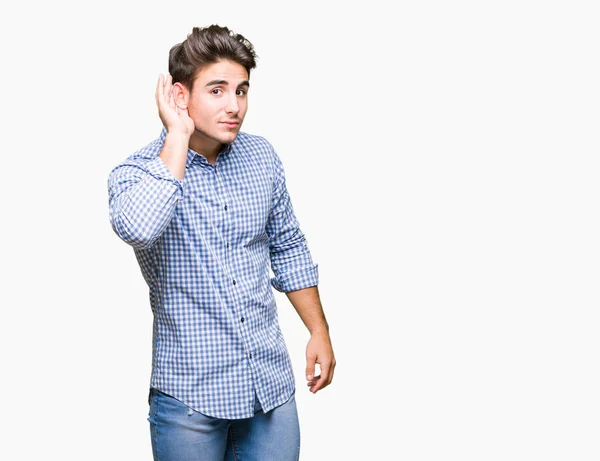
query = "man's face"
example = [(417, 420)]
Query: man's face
[(220, 95)]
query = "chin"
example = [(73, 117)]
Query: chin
[(229, 138)]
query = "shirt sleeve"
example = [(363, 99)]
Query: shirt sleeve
[(142, 198), (291, 260)]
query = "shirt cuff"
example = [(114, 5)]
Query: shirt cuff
[(302, 278), (159, 169)]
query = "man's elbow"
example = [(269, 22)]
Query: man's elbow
[(138, 238)]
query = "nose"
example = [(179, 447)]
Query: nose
[(232, 105)]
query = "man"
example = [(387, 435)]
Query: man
[(206, 209)]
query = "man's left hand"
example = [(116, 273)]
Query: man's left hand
[(319, 350)]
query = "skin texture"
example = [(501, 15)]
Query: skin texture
[(210, 105), (195, 120), (318, 350)]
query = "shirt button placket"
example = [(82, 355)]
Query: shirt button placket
[(242, 319)]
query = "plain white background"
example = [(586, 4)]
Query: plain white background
[(442, 159)]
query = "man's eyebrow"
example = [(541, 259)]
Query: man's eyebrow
[(225, 82)]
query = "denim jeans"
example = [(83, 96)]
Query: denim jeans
[(179, 433)]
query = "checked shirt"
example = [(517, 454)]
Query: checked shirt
[(205, 245)]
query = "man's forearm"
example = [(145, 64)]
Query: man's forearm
[(174, 153), (308, 305)]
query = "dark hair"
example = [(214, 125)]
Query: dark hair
[(207, 45)]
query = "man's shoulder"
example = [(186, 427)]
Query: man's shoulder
[(253, 143), (148, 152), (138, 158), (143, 154)]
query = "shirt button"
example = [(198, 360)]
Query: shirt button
[(225, 206), (234, 282), (242, 320), (250, 355), (227, 244)]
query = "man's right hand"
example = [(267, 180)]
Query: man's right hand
[(174, 119)]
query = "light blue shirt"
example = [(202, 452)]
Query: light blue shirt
[(205, 245)]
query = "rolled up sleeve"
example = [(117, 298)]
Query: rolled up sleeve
[(291, 260), (142, 198)]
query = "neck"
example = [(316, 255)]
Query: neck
[(206, 146)]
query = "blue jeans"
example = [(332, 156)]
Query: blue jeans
[(179, 433)]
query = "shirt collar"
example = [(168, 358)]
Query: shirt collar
[(190, 153)]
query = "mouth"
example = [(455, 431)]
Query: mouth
[(231, 124)]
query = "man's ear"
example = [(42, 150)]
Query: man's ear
[(180, 95)]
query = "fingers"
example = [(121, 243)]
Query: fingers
[(159, 87), (164, 90), (324, 379), (310, 366), (168, 91)]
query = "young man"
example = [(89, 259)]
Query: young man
[(206, 209)]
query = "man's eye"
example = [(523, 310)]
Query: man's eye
[(216, 89), (242, 91)]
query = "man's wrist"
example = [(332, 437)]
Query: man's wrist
[(178, 138), (320, 330)]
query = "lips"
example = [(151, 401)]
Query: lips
[(231, 123)]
